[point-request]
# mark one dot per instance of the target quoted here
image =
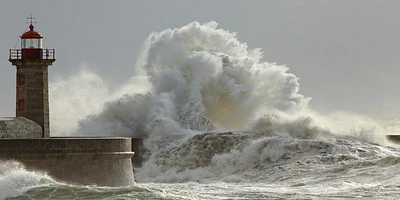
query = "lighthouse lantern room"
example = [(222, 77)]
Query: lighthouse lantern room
[(31, 44)]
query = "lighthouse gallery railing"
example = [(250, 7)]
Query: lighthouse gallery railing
[(47, 54)]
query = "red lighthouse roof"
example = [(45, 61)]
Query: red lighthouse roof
[(31, 33)]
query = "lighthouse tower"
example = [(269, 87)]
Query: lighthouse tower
[(32, 93)]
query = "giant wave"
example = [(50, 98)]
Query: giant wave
[(203, 83)]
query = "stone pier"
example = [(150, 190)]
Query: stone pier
[(86, 161)]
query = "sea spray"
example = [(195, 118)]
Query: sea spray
[(215, 111), (203, 77), (15, 179), (76, 97)]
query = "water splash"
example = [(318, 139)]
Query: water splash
[(212, 108), (16, 180)]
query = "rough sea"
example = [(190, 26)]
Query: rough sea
[(218, 122)]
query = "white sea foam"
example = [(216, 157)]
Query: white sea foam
[(15, 179)]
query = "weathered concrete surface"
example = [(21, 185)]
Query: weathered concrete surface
[(86, 161), (19, 127)]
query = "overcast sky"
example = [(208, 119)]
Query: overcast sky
[(346, 53)]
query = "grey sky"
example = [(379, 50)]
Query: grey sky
[(346, 53)]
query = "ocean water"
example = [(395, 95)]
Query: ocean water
[(274, 167), (218, 122)]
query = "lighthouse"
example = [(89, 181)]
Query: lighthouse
[(103, 161), (32, 93)]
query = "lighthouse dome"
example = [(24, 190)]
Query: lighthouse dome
[(31, 33)]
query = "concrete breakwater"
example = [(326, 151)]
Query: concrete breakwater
[(86, 161)]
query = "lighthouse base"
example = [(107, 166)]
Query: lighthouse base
[(85, 161)]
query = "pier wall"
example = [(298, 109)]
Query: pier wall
[(86, 161)]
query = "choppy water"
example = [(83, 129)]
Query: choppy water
[(344, 169), (219, 123)]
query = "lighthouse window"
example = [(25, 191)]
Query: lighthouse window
[(32, 43), (25, 43)]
